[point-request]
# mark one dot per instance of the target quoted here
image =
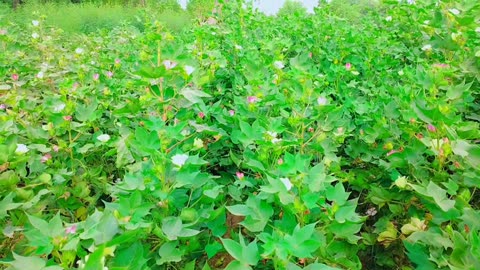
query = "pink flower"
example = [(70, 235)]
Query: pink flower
[(117, 61), (71, 230), (391, 152), (431, 128), (75, 86), (46, 157), (67, 118), (311, 129), (109, 74), (240, 175), (96, 76), (3, 107), (441, 65), (55, 148), (169, 64), (280, 161), (252, 99), (15, 77), (201, 115), (348, 66), (3, 32), (231, 112), (310, 54)]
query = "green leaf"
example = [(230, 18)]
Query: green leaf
[(7, 204), (86, 112), (233, 248), (236, 265), (212, 249), (194, 96), (337, 194), (94, 261), (439, 196), (131, 258), (169, 253), (39, 224), (123, 154), (30, 263), (173, 228), (101, 227)]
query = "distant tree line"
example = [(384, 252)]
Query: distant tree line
[(192, 5)]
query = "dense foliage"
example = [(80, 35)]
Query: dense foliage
[(323, 141)]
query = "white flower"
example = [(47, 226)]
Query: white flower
[(179, 160), (454, 11), (272, 134), (59, 107), (276, 140), (477, 29), (189, 69), (35, 35), (426, 22), (287, 183), (169, 64), (427, 47), (21, 149), (388, 19), (197, 143), (103, 138), (40, 75), (322, 101), (35, 23), (278, 64), (411, 2), (78, 50), (273, 137), (401, 73), (238, 47)]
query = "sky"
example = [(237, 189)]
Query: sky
[(270, 6)]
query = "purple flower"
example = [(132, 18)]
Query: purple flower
[(109, 74), (431, 128), (252, 99), (71, 230)]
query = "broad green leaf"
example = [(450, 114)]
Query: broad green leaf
[(233, 248), (169, 253), (131, 258), (439, 195), (94, 261), (7, 204)]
